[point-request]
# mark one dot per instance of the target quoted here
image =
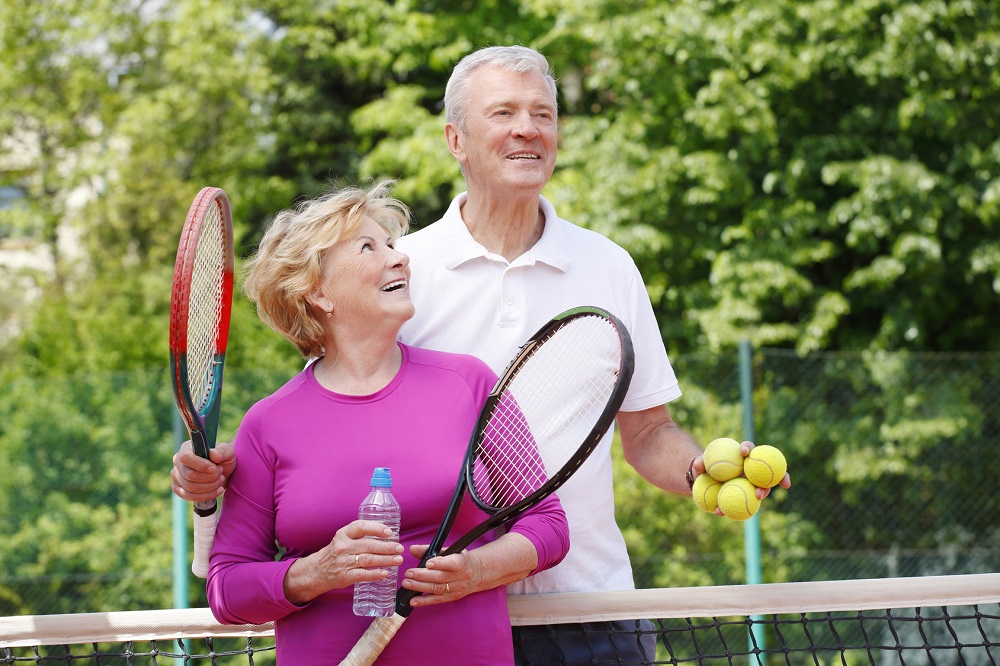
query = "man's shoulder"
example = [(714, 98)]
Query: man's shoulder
[(422, 234), (438, 226), (425, 242), (583, 240), (576, 232)]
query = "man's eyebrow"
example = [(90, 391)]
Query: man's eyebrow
[(516, 101)]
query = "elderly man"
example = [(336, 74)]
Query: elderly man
[(497, 266)]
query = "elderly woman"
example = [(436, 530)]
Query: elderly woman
[(289, 546)]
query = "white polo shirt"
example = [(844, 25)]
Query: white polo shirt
[(474, 302)]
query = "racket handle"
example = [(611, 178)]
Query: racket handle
[(373, 641), (206, 517)]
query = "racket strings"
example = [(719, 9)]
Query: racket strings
[(547, 411), (205, 305)]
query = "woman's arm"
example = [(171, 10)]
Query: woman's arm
[(537, 541), (343, 562)]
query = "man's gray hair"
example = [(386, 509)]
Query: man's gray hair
[(520, 59)]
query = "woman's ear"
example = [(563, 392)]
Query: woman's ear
[(321, 302)]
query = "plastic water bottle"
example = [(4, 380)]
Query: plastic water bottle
[(378, 598)]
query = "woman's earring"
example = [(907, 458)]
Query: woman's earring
[(329, 314)]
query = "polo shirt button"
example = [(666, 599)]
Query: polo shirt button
[(510, 301)]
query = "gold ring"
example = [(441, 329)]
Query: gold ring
[(357, 561), (447, 588)]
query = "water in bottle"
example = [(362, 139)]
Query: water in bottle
[(378, 598)]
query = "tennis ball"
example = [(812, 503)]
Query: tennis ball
[(723, 459), (706, 492), (765, 466), (738, 499)]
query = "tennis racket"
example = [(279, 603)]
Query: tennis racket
[(200, 305), (545, 415)]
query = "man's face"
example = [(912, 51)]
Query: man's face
[(511, 134)]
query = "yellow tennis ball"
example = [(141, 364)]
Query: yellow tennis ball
[(706, 492), (738, 499), (723, 459), (765, 466)]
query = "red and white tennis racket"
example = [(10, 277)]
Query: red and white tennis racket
[(200, 306), (545, 416)]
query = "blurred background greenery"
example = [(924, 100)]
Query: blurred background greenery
[(820, 178)]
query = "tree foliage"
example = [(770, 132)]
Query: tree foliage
[(817, 177)]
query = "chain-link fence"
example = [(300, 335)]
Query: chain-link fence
[(893, 459)]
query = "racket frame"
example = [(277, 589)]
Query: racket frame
[(201, 416), (500, 517)]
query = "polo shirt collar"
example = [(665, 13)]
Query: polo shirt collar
[(459, 246)]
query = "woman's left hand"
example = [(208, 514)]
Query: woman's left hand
[(444, 579)]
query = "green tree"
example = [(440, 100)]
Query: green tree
[(864, 134), (115, 118), (58, 100), (815, 176), (818, 176)]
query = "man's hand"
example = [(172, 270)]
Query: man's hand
[(762, 493), (198, 480)]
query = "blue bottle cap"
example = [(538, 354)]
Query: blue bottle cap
[(381, 477)]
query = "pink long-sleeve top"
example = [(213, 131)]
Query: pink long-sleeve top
[(306, 457)]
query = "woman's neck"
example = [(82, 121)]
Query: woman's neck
[(359, 368)]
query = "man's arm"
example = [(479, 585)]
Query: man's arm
[(662, 453), (658, 449), (198, 480)]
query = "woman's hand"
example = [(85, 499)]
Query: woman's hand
[(356, 553), (444, 579), (505, 560)]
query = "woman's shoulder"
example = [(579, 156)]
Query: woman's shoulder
[(289, 388), (446, 360), (470, 369)]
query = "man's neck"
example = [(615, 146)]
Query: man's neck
[(507, 228)]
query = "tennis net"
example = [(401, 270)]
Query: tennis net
[(924, 620)]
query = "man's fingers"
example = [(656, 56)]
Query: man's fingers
[(186, 460)]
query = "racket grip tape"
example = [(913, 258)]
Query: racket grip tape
[(373, 641), (205, 521)]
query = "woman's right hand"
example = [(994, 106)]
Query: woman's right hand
[(356, 553)]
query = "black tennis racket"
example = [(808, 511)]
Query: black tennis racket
[(200, 306), (546, 414)]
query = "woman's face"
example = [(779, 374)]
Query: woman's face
[(366, 280)]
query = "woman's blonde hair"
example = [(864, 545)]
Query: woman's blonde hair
[(288, 265)]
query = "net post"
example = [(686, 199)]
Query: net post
[(179, 510), (751, 528)]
